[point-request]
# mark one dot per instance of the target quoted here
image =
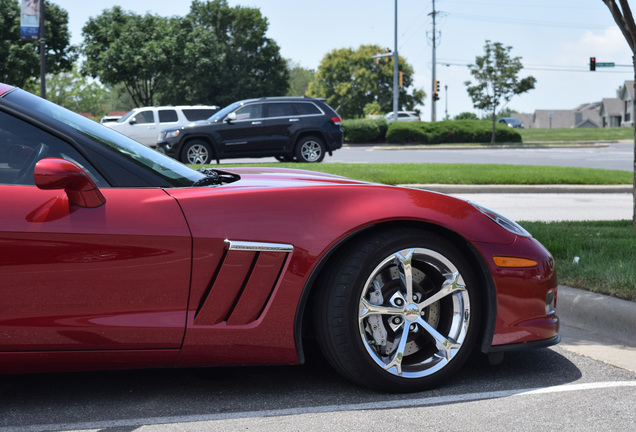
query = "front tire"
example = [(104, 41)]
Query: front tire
[(197, 153), (310, 149), (399, 312)]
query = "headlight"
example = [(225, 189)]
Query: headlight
[(171, 134), (502, 221)]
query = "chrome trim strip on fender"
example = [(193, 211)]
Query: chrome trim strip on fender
[(258, 247)]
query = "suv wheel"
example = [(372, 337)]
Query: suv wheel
[(197, 153), (310, 149)]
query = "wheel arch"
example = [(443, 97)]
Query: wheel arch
[(303, 325)]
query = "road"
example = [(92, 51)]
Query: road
[(551, 389), (617, 156)]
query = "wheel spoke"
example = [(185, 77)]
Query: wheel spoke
[(450, 286), (367, 309), (443, 344), (404, 260), (398, 356)]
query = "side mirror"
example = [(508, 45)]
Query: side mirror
[(230, 117), (133, 121), (55, 173)]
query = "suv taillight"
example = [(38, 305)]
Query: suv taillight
[(336, 120)]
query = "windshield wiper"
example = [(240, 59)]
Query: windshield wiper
[(213, 178)]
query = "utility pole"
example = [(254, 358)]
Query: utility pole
[(446, 100), (433, 89), (396, 89)]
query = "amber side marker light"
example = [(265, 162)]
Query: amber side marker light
[(503, 261)]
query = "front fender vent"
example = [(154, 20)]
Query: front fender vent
[(244, 283)]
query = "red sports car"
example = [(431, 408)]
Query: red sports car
[(115, 256)]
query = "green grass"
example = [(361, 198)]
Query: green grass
[(606, 251), (417, 173), (576, 134)]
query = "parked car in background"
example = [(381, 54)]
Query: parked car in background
[(511, 122), (288, 128), (108, 119), (115, 256), (403, 116), (144, 124)]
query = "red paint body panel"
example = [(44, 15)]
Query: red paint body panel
[(4, 88), (113, 277)]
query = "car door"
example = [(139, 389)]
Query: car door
[(243, 135), (115, 277), (143, 127), (281, 121)]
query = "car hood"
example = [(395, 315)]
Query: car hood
[(281, 177)]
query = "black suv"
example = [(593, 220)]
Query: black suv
[(289, 128)]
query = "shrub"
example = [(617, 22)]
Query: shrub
[(450, 131), (364, 131)]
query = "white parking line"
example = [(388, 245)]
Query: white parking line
[(394, 404)]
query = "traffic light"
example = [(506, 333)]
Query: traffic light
[(387, 52), (435, 96), (401, 78), (592, 63), (436, 90)]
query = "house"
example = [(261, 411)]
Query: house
[(585, 115), (626, 97), (611, 112)]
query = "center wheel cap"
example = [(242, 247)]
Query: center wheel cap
[(411, 312)]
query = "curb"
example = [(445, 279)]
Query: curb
[(597, 313)]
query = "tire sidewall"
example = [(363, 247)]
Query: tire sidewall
[(305, 140), (190, 144)]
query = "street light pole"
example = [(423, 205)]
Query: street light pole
[(395, 66)]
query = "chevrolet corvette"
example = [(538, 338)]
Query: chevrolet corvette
[(114, 256)]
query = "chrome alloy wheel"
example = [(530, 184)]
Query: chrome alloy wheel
[(414, 313), (198, 154), (311, 151)]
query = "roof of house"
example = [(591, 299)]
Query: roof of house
[(611, 107)]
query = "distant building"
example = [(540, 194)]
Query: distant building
[(610, 112)]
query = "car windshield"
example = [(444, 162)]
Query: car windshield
[(173, 172), (220, 115), (125, 117)]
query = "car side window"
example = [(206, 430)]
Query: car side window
[(249, 112), (22, 145), (168, 116), (198, 114), (144, 117), (307, 108), (280, 109)]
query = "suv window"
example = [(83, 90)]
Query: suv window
[(306, 108), (280, 109), (168, 116), (198, 114), (252, 111), (144, 117)]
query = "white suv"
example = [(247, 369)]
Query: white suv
[(145, 124), (403, 116)]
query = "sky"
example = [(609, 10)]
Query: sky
[(555, 40)]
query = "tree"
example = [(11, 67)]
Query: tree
[(466, 116), (496, 75), (225, 57), (20, 60), (299, 79), (73, 91), (625, 21), (350, 79), (136, 51)]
